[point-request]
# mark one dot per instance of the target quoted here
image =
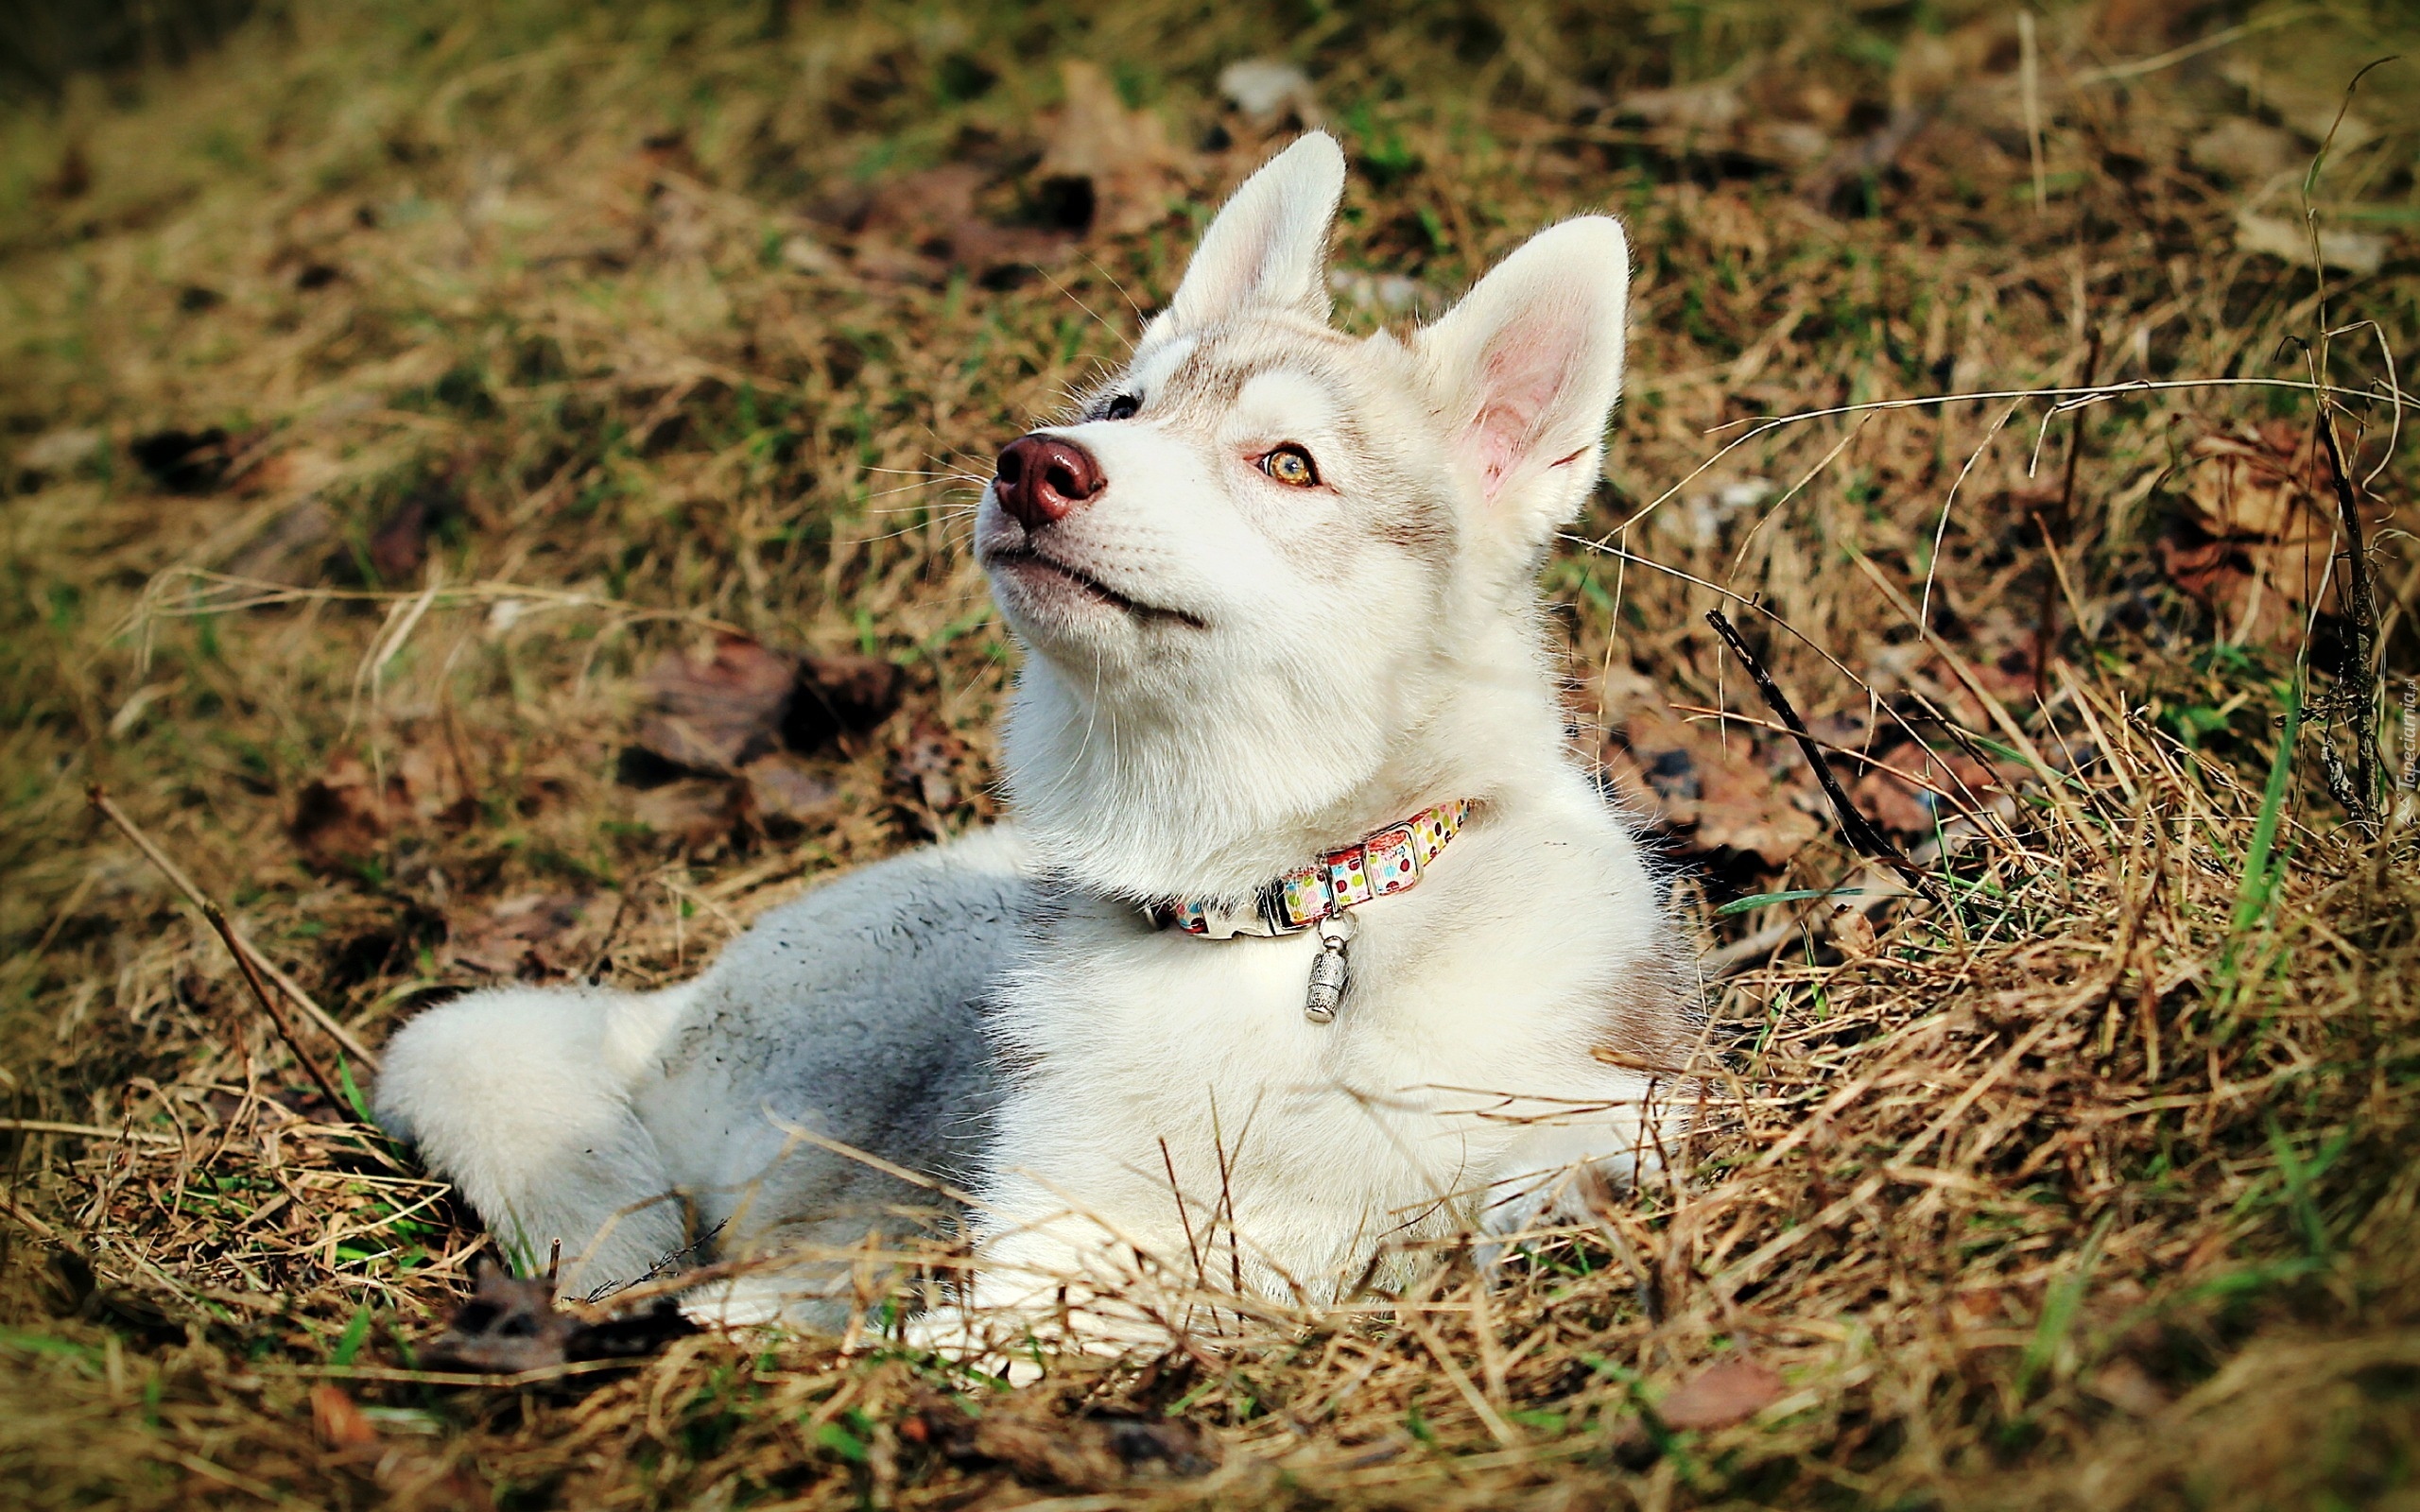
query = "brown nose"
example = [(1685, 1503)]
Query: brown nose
[(1043, 477)]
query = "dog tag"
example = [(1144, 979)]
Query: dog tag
[(1328, 974)]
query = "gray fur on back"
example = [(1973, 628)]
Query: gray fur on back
[(856, 1013), (610, 1119)]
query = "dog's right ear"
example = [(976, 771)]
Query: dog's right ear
[(1267, 248)]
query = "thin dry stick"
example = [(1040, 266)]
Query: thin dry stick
[(242, 948), (1860, 830), (277, 1018), (89, 1131)]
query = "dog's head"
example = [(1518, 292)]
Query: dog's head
[(1255, 561)]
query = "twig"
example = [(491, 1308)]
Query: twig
[(2360, 702), (234, 937), (268, 1001), (88, 1131), (32, 1223), (1860, 832)]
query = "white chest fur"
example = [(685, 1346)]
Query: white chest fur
[(1166, 1085)]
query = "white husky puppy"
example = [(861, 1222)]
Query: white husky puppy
[(1310, 931)]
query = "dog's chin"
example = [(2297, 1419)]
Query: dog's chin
[(1053, 602)]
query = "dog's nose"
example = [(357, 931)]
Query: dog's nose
[(1043, 477)]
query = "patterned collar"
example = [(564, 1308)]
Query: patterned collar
[(1389, 861)]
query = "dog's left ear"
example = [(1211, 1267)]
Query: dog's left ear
[(1527, 366), (1267, 247)]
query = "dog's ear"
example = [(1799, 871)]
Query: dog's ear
[(1527, 366), (1269, 246)]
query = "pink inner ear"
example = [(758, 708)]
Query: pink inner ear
[(1524, 375)]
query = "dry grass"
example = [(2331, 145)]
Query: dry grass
[(551, 339)]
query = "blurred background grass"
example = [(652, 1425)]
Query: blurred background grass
[(405, 406)]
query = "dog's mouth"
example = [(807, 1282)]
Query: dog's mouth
[(1026, 558)]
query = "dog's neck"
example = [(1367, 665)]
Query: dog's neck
[(1214, 802)]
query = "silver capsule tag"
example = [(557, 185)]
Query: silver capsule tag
[(1329, 974)]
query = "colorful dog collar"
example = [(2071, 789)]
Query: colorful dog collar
[(1388, 861)]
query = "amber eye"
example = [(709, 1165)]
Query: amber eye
[(1122, 407), (1292, 466)]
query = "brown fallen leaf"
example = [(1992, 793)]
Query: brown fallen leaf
[(696, 814), (783, 787), (1908, 809), (716, 712), (338, 817), (534, 937), (741, 701), (1977, 1309), (839, 695), (509, 1326), (1681, 776), (1724, 1393), (1853, 932), (923, 226), (343, 816), (2252, 530)]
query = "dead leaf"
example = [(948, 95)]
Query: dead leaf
[(1122, 156), (1681, 775), (718, 712), (1909, 809), (1724, 1393), (1977, 1309), (923, 226), (509, 1326), (783, 787), (533, 937), (1853, 932), (343, 816), (695, 814), (839, 695), (2253, 529)]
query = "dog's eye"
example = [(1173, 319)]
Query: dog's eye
[(1292, 466), (1122, 407)]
